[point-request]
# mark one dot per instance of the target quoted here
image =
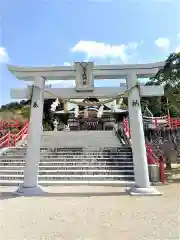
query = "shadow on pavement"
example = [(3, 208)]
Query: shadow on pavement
[(7, 195), (10, 195)]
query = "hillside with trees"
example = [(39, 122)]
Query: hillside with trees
[(20, 111)]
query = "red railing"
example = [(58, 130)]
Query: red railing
[(10, 139), (9, 124), (173, 122), (166, 120), (126, 127), (5, 140), (151, 157), (19, 136)]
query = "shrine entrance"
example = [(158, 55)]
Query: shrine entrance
[(92, 117), (92, 124)]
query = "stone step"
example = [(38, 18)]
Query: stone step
[(72, 154), (74, 168), (70, 163), (70, 157), (70, 172), (93, 182), (104, 148), (69, 153), (64, 161), (71, 177), (45, 148), (74, 151)]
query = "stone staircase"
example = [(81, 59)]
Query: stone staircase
[(72, 165)]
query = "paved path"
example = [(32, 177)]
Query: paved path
[(95, 139), (90, 213)]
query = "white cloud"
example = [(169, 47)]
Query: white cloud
[(94, 49), (133, 45), (67, 64), (177, 49), (162, 43), (3, 55)]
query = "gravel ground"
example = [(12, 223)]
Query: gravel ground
[(90, 213)]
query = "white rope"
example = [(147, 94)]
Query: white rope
[(54, 105), (86, 112), (100, 111), (76, 111), (58, 99)]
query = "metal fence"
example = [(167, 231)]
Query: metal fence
[(163, 135), (164, 141)]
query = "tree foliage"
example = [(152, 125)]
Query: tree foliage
[(169, 76)]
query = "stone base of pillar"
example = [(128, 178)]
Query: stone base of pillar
[(29, 191), (135, 191)]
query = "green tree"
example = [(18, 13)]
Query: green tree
[(169, 76)]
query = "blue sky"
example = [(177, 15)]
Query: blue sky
[(58, 32)]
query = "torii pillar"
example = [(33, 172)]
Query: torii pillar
[(142, 183), (30, 185)]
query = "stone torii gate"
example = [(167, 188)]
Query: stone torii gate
[(84, 75)]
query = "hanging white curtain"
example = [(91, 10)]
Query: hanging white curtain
[(120, 102), (113, 106), (76, 111), (100, 111), (86, 112), (54, 105)]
